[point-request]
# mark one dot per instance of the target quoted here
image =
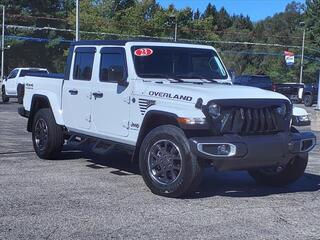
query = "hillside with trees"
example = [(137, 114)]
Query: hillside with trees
[(247, 47)]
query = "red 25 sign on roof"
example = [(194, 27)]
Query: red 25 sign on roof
[(143, 52)]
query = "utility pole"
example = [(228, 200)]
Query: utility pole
[(174, 19), (176, 30), (77, 20), (318, 103), (302, 52), (2, 43)]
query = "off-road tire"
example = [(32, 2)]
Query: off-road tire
[(5, 98), (307, 100), (55, 140), (291, 172), (191, 171)]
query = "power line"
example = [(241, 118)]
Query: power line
[(266, 54), (34, 39), (163, 38), (35, 17)]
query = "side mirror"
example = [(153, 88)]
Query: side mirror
[(118, 74)]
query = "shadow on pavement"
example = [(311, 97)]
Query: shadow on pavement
[(240, 184), (229, 184)]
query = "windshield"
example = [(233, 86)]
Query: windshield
[(177, 62)]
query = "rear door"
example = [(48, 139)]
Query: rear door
[(110, 100), (77, 94), (11, 85)]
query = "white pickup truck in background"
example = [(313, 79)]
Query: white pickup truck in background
[(173, 106), (13, 84)]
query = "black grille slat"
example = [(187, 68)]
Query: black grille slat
[(237, 122), (274, 121), (262, 120), (269, 120), (247, 121), (255, 120)]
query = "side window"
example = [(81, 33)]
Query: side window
[(83, 64), (13, 74), (112, 65)]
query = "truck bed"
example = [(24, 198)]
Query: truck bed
[(49, 85)]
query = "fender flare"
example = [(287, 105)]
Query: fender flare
[(171, 118), (42, 101)]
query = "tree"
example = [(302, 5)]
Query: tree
[(313, 21)]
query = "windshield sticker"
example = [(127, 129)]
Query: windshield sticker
[(143, 52)]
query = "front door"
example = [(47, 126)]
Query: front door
[(11, 82), (110, 109), (77, 97)]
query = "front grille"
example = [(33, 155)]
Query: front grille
[(246, 121)]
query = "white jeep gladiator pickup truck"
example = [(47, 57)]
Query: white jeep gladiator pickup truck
[(12, 86), (173, 107)]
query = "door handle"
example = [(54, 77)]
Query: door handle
[(97, 95), (73, 91)]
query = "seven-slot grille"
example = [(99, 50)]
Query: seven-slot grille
[(249, 120)]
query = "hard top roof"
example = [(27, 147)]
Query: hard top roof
[(123, 42)]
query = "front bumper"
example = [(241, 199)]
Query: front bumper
[(247, 152)]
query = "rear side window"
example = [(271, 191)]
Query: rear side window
[(24, 73), (112, 65), (83, 63)]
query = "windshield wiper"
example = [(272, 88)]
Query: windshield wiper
[(162, 75), (198, 76)]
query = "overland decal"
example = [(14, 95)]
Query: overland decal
[(171, 96)]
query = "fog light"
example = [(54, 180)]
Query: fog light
[(217, 149), (223, 149)]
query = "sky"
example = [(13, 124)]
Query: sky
[(256, 9)]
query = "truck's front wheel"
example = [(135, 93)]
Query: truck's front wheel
[(47, 136), (166, 163), (282, 175)]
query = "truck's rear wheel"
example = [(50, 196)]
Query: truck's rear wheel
[(5, 98), (281, 176), (307, 100), (166, 163), (47, 136)]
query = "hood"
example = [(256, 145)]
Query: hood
[(191, 92)]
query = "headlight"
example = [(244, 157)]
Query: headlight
[(304, 118), (214, 111), (282, 110)]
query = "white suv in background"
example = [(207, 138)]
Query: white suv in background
[(10, 86)]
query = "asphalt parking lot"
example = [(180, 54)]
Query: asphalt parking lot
[(87, 197)]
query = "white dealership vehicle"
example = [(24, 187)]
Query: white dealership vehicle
[(173, 107), (13, 84)]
